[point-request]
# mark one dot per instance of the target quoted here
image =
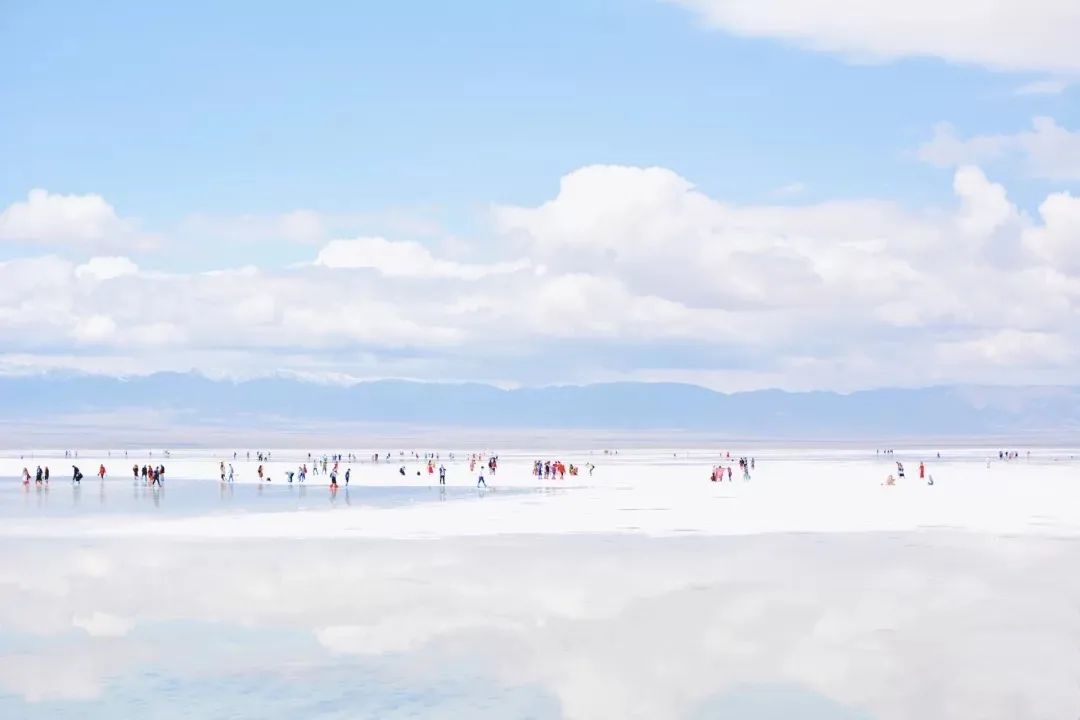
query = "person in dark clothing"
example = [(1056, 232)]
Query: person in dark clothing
[(76, 475)]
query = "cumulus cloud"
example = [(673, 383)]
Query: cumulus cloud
[(623, 272), (1057, 240), (81, 221), (106, 268), (1037, 35), (1047, 151), (404, 259)]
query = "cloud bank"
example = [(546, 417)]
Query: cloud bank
[(1038, 35), (623, 273)]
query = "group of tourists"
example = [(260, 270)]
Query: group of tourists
[(552, 469), (151, 475)]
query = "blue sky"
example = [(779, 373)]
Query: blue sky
[(198, 124)]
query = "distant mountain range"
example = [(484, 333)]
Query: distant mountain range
[(938, 411)]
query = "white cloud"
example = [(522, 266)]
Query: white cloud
[(624, 271), (99, 624), (106, 268), (94, 329), (404, 260), (1038, 35), (81, 221), (305, 226), (1053, 86), (1047, 151), (1057, 240), (302, 226)]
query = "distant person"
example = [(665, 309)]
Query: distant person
[(101, 472), (480, 482), (76, 474), (442, 474)]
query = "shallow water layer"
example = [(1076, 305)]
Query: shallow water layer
[(63, 498), (887, 626)]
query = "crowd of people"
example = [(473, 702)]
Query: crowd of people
[(151, 474), (552, 469)]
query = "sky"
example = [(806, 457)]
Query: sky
[(734, 193)]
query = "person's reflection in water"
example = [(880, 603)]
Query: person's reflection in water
[(42, 494), (76, 494), (155, 493), (333, 493), (347, 502), (101, 493), (303, 491), (442, 493)]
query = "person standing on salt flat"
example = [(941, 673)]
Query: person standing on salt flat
[(135, 472), (348, 472), (221, 468), (46, 474), (101, 472), (230, 472), (922, 471), (481, 482), (76, 474), (25, 477), (900, 469), (442, 474), (260, 472)]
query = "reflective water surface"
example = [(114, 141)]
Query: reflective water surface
[(845, 627)]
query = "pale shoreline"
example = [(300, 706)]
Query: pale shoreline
[(640, 492)]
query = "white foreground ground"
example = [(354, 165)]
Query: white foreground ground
[(650, 492)]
